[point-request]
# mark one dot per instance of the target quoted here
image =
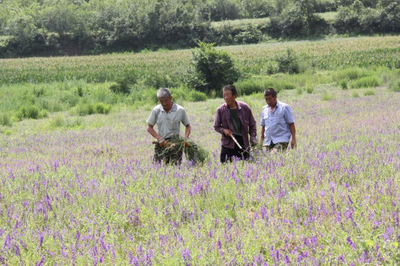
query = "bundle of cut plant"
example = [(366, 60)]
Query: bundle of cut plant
[(193, 151)]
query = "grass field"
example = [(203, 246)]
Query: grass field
[(90, 194), (79, 189), (329, 16), (171, 66)]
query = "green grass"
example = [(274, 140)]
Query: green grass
[(366, 82), (169, 68), (328, 96), (369, 93), (395, 85), (240, 23), (38, 87)]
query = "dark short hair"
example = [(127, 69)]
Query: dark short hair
[(230, 88), (270, 92)]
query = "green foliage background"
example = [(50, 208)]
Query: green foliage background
[(64, 27)]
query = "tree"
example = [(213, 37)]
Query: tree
[(211, 69), (298, 19)]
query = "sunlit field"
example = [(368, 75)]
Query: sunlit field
[(86, 192), (171, 66)]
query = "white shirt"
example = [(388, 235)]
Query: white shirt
[(168, 124)]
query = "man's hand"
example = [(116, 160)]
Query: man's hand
[(293, 143), (253, 143), (162, 142), (227, 132)]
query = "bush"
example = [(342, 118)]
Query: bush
[(145, 96), (297, 20), (256, 85), (57, 121), (210, 69), (38, 92), (250, 35), (28, 111), (395, 85), (310, 90), (102, 108), (120, 87), (366, 82), (79, 91), (358, 19), (288, 62), (83, 109), (369, 93), (197, 96), (43, 113), (223, 9), (258, 8), (351, 73), (69, 98), (182, 93), (355, 94), (326, 96), (61, 122), (5, 120), (347, 21), (250, 86), (343, 84), (390, 18)]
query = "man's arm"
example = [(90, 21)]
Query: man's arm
[(218, 124), (262, 133), (188, 129), (292, 128), (150, 129), (252, 128)]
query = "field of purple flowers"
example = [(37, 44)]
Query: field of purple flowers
[(91, 195)]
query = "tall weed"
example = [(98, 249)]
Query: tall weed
[(5, 120), (366, 82)]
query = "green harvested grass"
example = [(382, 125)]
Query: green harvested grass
[(193, 151)]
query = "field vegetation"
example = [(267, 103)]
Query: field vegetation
[(35, 87), (83, 190), (78, 185)]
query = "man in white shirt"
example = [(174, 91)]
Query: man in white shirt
[(277, 123), (168, 116)]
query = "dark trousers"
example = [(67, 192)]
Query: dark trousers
[(277, 147), (227, 153)]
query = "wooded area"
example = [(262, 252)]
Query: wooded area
[(73, 27)]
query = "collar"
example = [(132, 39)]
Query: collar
[(278, 104), (238, 104), (173, 109)]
